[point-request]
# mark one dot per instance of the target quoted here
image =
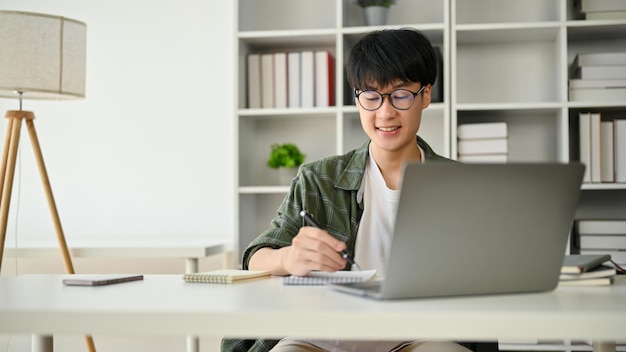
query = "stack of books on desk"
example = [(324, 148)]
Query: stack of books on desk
[(482, 142), (599, 76), (587, 270)]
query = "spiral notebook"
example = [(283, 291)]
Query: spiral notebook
[(225, 276), (325, 278)]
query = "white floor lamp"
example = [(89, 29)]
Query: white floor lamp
[(41, 57)]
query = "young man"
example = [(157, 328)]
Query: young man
[(354, 196)]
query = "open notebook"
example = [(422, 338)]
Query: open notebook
[(465, 229)]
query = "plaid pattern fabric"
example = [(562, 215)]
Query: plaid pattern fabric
[(232, 345), (329, 189)]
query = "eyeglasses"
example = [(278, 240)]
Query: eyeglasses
[(401, 99)]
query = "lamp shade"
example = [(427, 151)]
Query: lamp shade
[(42, 56)]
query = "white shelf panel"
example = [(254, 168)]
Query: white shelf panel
[(537, 106), (599, 105), (424, 27), (283, 38), (264, 190), (269, 113), (604, 186)]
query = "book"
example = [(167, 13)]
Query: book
[(602, 72), (617, 94), (595, 148), (607, 172), (267, 81), (482, 130), (483, 146), (601, 226), (254, 81), (280, 80), (225, 276), (324, 278), (619, 128), (600, 271), (307, 79), (606, 15), (483, 158), (293, 79), (610, 242), (584, 143), (580, 263), (617, 256), (599, 281), (600, 59), (324, 79), (602, 5), (101, 280), (597, 83)]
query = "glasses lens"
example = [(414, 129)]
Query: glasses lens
[(370, 99), (402, 99)]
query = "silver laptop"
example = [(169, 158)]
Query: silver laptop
[(469, 229)]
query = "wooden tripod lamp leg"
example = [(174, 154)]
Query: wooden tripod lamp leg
[(8, 170), (9, 156), (67, 260)]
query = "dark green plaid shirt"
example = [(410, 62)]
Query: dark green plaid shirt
[(329, 189)]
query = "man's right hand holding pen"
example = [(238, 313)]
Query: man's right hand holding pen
[(311, 249)]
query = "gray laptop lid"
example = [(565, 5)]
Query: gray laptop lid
[(466, 229)]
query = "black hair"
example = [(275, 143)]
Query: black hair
[(389, 56)]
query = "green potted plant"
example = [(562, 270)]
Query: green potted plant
[(375, 11), (286, 158)]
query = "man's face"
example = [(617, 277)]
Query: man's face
[(389, 128)]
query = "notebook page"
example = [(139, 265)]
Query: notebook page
[(325, 278)]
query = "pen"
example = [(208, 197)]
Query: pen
[(309, 218)]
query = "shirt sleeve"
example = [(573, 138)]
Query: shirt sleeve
[(284, 226)]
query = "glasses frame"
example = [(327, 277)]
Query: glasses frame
[(382, 98)]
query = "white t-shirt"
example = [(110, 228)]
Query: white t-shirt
[(375, 233), (373, 241)]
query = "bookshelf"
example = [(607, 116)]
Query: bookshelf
[(509, 64)]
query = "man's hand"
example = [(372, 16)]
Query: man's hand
[(311, 249)]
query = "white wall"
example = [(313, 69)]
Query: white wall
[(149, 152)]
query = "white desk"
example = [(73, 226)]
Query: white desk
[(166, 305), (191, 250)]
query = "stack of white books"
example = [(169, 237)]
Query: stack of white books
[(602, 9), (595, 236), (483, 142), (599, 76)]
